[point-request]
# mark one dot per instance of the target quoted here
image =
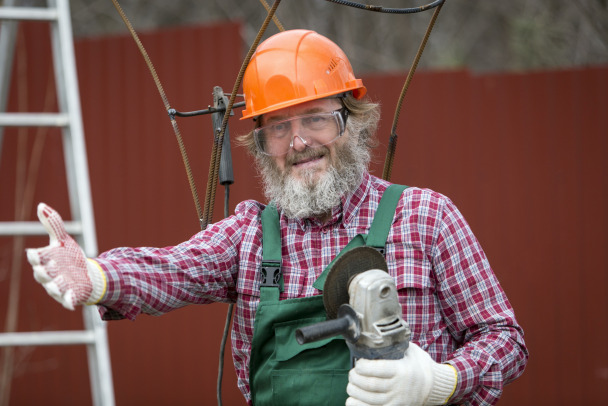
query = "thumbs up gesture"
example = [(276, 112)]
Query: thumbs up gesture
[(62, 267)]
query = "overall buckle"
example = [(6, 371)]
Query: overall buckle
[(271, 275)]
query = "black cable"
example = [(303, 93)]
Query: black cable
[(222, 349), (380, 9)]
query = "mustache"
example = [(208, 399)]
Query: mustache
[(307, 153)]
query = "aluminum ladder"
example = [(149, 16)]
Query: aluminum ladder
[(82, 227)]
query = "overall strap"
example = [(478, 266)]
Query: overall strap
[(270, 270), (383, 219)]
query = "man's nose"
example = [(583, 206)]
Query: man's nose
[(298, 143)]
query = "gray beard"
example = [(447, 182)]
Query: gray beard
[(307, 197)]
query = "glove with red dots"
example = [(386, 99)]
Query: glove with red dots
[(62, 267)]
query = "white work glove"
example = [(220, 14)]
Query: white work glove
[(413, 380), (62, 267)]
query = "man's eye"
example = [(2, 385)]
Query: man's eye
[(315, 120), (277, 128)]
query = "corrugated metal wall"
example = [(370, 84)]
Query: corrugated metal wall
[(522, 155)]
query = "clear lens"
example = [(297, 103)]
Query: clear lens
[(276, 138)]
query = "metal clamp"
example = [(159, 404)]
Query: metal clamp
[(380, 250)]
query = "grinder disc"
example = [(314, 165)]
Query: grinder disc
[(347, 266)]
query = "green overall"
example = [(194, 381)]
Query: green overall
[(281, 371)]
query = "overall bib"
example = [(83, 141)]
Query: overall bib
[(281, 371)]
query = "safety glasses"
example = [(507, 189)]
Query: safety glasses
[(314, 130)]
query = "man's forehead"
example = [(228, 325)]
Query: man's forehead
[(312, 106)]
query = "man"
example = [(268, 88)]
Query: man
[(311, 143)]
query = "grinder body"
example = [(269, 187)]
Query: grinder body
[(371, 322), (384, 334)]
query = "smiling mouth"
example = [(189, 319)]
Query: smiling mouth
[(306, 157), (307, 160)]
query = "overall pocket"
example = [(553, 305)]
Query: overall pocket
[(310, 374)]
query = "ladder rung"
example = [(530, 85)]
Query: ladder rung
[(12, 228), (28, 13), (47, 338), (34, 120)]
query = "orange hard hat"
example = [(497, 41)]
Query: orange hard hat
[(294, 67)]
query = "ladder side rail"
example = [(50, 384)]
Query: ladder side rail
[(79, 151), (100, 367), (8, 38), (80, 193), (73, 138)]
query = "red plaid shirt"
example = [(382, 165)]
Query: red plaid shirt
[(451, 299)]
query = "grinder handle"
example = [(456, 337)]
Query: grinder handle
[(347, 324)]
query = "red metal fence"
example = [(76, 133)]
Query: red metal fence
[(522, 155)]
